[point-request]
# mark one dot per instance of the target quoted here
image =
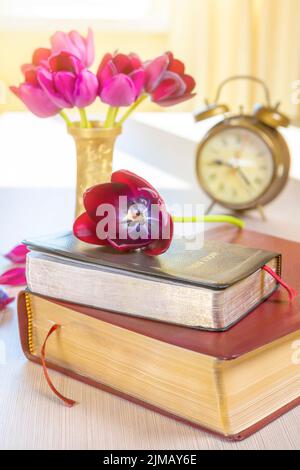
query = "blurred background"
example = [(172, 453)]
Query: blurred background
[(215, 38)]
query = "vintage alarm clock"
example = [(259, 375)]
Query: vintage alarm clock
[(243, 162)]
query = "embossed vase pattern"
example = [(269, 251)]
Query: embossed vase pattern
[(94, 148)]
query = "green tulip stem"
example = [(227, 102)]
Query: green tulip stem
[(68, 122), (111, 117), (212, 218), (131, 109), (84, 123)]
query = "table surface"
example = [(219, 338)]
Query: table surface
[(32, 418)]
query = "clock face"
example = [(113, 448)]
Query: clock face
[(235, 166)]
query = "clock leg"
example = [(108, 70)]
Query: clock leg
[(210, 207), (262, 213)]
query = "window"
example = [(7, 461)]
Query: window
[(77, 9), (103, 13)]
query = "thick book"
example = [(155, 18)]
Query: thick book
[(212, 287), (231, 383)]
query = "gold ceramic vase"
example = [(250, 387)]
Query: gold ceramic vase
[(94, 149)]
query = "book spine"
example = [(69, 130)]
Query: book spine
[(29, 322)]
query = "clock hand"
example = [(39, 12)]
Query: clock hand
[(243, 176), (221, 163)]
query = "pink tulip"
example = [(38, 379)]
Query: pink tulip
[(30, 92), (166, 81), (121, 79), (75, 44), (67, 82)]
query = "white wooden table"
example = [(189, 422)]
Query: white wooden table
[(32, 418)]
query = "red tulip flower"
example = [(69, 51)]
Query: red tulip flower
[(66, 82), (126, 214), (75, 44), (30, 92), (166, 81), (121, 79)]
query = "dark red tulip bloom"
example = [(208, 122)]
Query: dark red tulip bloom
[(126, 214)]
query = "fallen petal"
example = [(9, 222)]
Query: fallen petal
[(5, 299), (17, 254), (14, 277)]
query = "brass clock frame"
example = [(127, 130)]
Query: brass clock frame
[(279, 151)]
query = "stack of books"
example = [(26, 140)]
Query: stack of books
[(203, 335)]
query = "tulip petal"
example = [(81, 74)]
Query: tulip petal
[(189, 82), (84, 229), (86, 89), (154, 72), (36, 100), (164, 90), (41, 55), (138, 79), (176, 100), (137, 185), (136, 62), (45, 79), (123, 64), (5, 299), (158, 247), (60, 41), (128, 244), (119, 91), (78, 45), (90, 49), (17, 254), (107, 193), (64, 84), (177, 66), (105, 60), (106, 74), (30, 75), (65, 62), (75, 44), (14, 277)]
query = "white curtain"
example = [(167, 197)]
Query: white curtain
[(219, 38)]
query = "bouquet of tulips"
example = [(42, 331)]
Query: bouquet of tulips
[(58, 79)]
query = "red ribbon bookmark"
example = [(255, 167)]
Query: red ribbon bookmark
[(66, 400), (290, 290)]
